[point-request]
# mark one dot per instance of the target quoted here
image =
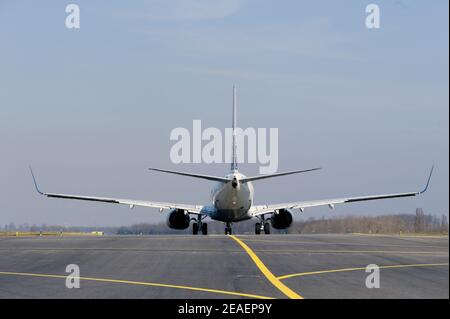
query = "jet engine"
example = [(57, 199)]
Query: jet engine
[(178, 219), (282, 219)]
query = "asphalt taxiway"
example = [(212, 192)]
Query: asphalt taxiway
[(217, 266)]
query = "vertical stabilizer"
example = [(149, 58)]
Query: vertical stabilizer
[(234, 158)]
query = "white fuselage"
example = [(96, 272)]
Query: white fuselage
[(232, 200)]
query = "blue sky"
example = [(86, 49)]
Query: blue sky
[(92, 108)]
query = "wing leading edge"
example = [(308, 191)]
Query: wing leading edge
[(193, 209), (265, 209)]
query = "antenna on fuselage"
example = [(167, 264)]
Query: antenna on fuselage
[(234, 158)]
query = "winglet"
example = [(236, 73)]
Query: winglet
[(35, 184), (428, 181)]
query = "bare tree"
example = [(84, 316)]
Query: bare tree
[(419, 223), (444, 224)]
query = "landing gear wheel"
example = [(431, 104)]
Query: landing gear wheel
[(205, 229), (227, 230), (257, 228), (194, 229), (266, 228)]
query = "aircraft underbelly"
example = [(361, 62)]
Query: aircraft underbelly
[(232, 204)]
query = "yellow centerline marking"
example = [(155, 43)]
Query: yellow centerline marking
[(402, 236), (224, 292), (438, 253), (358, 268), (266, 272)]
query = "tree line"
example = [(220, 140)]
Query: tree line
[(419, 223)]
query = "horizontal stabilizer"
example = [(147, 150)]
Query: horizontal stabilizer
[(255, 178), (207, 177)]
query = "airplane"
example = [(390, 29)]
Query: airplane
[(232, 199)]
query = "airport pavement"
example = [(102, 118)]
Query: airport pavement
[(217, 266)]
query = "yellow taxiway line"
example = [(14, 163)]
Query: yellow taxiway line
[(374, 252), (224, 292), (358, 268), (403, 235), (266, 272)]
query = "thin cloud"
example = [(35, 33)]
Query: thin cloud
[(313, 38), (162, 10)]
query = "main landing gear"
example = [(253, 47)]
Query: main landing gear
[(263, 226), (199, 225)]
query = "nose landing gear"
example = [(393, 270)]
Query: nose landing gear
[(228, 229)]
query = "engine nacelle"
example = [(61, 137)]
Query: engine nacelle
[(178, 219), (282, 220)]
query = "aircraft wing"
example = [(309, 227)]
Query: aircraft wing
[(193, 209), (265, 209)]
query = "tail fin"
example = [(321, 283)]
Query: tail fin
[(234, 158)]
